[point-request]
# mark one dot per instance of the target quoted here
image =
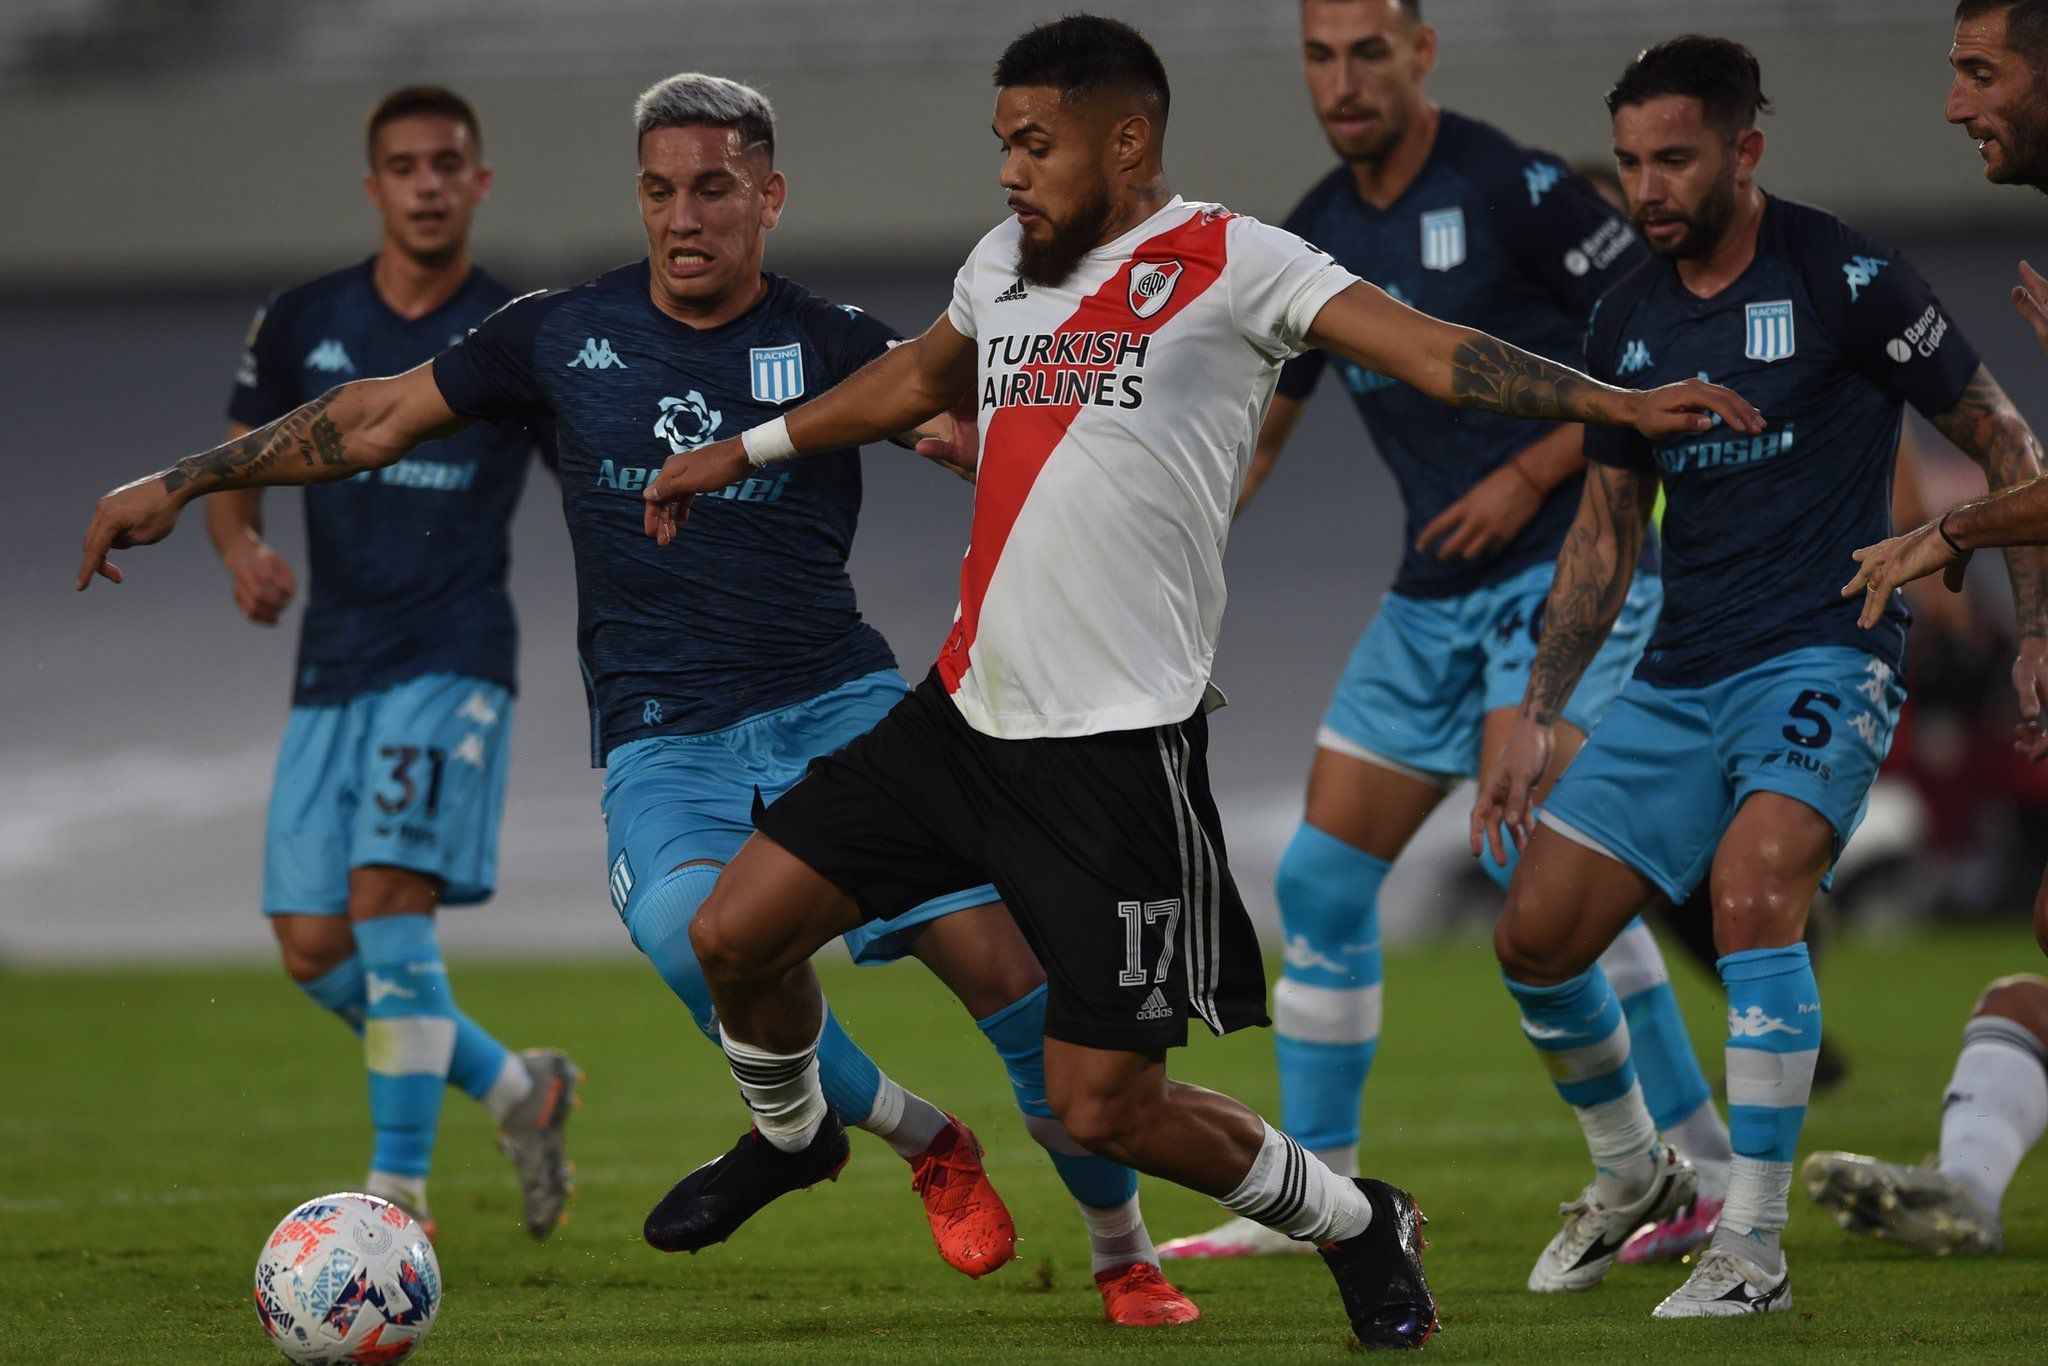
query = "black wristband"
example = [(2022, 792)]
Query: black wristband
[(1941, 530)]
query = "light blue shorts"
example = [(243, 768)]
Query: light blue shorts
[(410, 776), (677, 799), (1662, 777), (1415, 695)]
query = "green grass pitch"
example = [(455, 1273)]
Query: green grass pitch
[(159, 1121)]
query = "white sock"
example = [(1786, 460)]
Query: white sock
[(1117, 1237), (1702, 1139), (1996, 1108), (1343, 1161), (513, 1085), (1290, 1192), (1759, 1197), (1622, 1139), (781, 1089), (907, 1122), (407, 1192)]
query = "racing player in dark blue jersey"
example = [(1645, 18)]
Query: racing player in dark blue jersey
[(1742, 751), (718, 669), (391, 778)]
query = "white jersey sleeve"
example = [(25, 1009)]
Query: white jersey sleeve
[(1278, 283)]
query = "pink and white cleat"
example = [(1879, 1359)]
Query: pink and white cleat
[(1669, 1240), (1237, 1238)]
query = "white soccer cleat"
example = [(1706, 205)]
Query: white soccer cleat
[(1918, 1207), (1238, 1238), (1593, 1235), (1724, 1285)]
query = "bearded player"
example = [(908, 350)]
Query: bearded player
[(1741, 753)]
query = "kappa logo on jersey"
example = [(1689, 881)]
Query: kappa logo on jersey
[(470, 751), (1542, 178), (1755, 1024), (778, 372), (1443, 239), (331, 357), (1860, 271), (1769, 335), (1013, 293), (597, 354), (1877, 681), (1152, 285), (686, 423), (1635, 357), (476, 707)]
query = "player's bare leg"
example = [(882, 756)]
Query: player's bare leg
[(1123, 1106), (1565, 906), (1995, 1110), (1766, 870), (984, 960)]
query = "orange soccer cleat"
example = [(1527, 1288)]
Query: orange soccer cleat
[(970, 1223), (1138, 1296)]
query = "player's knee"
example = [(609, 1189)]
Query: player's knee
[(1533, 943), (1757, 912), (1106, 1124), (311, 947), (305, 963), (2021, 998), (718, 956)]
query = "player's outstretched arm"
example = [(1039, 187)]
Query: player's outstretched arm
[(893, 393), (1471, 369), (343, 432), (1594, 569)]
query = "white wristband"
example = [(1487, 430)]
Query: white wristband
[(768, 443)]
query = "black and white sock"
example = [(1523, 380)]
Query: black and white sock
[(781, 1089), (1291, 1192)]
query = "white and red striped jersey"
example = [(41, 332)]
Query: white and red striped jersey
[(1118, 415)]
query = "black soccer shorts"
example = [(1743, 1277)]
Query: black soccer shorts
[(1106, 848)]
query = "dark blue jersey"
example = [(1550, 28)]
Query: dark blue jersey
[(406, 564), (751, 609), (1827, 334), (1494, 236)]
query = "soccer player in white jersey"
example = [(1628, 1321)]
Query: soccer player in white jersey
[(1121, 345)]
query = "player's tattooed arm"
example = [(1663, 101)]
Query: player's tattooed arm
[(1594, 568), (347, 430), (1986, 426), (1470, 369)]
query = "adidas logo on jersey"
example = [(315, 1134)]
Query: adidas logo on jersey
[(597, 354), (1155, 1007), (331, 357), (1015, 291)]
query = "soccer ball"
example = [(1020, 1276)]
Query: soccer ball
[(347, 1278)]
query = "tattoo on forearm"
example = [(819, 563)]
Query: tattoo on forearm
[(1985, 426), (307, 432), (1488, 373), (1594, 569)]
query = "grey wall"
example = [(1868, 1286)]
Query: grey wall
[(252, 174)]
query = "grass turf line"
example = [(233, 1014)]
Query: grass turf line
[(164, 1119)]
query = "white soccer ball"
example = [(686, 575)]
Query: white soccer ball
[(347, 1278)]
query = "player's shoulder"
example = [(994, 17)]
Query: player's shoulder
[(1492, 158), (1617, 308), (488, 290), (611, 290), (348, 287), (831, 326), (1813, 238), (1332, 194)]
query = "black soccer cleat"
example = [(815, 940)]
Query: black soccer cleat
[(709, 1205), (1379, 1272)]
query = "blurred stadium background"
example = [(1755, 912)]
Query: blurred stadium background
[(169, 162)]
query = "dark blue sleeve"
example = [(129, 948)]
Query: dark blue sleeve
[(847, 337), (264, 391), (1562, 233), (488, 375), (1621, 447), (1885, 318), (1298, 377)]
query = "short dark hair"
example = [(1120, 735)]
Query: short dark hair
[(1083, 55), (408, 100), (2026, 24), (1720, 73)]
